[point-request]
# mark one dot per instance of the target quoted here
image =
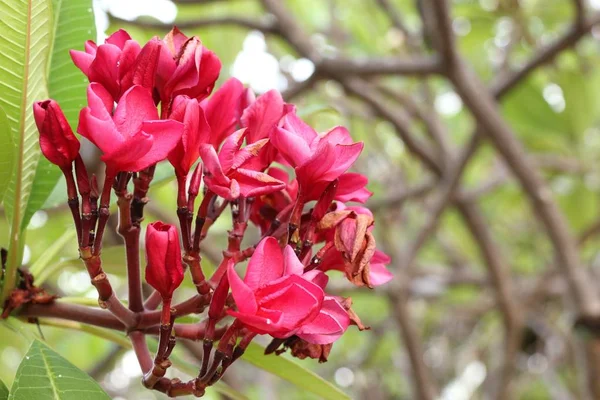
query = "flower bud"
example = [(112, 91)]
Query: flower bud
[(164, 271), (57, 141)]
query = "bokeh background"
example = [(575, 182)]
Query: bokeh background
[(481, 306)]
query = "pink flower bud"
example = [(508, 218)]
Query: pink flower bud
[(185, 67), (57, 141), (164, 271)]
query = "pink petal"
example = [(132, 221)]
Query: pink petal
[(294, 124), (297, 303), (292, 147), (100, 101), (90, 47), (328, 162), (230, 147), (328, 326), (174, 40), (165, 135), (379, 274), (242, 157), (262, 116), (101, 132), (127, 60), (293, 266), (223, 110), (317, 277), (135, 106), (242, 294), (164, 70), (254, 183), (212, 166), (186, 74), (105, 68), (138, 63), (195, 132), (82, 60), (124, 156), (265, 265), (210, 68), (118, 38), (351, 187), (268, 322), (337, 135), (379, 257)]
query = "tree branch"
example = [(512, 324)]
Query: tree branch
[(264, 25)]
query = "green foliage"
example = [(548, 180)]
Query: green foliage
[(3, 391), (24, 48), (43, 373), (7, 153), (292, 372)]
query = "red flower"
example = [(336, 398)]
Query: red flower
[(119, 63), (275, 297), (185, 67), (195, 132), (57, 141), (317, 159), (132, 138), (164, 271), (227, 174)]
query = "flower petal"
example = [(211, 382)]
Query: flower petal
[(242, 294), (265, 265), (293, 266), (223, 110), (134, 108), (262, 116), (292, 147)]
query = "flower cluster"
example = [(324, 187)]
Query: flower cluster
[(150, 103)]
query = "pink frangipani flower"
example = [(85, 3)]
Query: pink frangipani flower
[(317, 159), (132, 138), (276, 298), (119, 63), (195, 132), (185, 67), (227, 174)]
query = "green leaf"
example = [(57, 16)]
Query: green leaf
[(39, 268), (74, 24), (7, 153), (113, 262), (292, 372), (45, 374), (26, 27), (46, 176), (3, 391)]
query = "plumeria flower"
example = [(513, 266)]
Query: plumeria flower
[(132, 138), (317, 159), (227, 174), (119, 63), (276, 297)]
